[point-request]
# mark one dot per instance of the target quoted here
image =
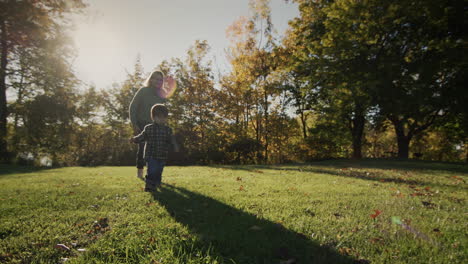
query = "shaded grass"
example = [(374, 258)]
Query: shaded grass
[(307, 213)]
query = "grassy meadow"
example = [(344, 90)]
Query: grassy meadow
[(325, 212)]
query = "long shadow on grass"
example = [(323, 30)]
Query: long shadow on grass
[(383, 164), (342, 169), (14, 169), (239, 236), (409, 165)]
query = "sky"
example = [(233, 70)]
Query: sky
[(112, 33)]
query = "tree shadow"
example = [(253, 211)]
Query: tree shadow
[(240, 237), (6, 169), (384, 164), (347, 169), (409, 165)]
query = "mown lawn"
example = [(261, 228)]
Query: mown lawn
[(324, 212)]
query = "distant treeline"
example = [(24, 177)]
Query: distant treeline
[(350, 79)]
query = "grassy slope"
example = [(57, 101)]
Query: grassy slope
[(315, 213)]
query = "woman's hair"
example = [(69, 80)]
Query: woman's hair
[(153, 75), (159, 111)]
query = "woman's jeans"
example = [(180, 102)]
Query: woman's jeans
[(140, 161), (154, 169)]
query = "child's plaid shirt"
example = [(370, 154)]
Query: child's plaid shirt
[(158, 140)]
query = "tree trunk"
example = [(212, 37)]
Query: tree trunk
[(357, 132), (3, 102), (258, 151), (403, 140), (266, 126), (304, 125), (466, 158), (19, 101), (403, 146)]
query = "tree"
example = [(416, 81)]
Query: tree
[(48, 126), (30, 26), (252, 61), (193, 106), (38, 78), (398, 56), (116, 102), (323, 56), (118, 98), (419, 60)]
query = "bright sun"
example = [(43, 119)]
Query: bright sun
[(99, 50)]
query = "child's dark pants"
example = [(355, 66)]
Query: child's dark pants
[(154, 170)]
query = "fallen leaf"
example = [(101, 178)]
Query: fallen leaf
[(345, 251), (376, 240), (241, 188), (62, 246), (377, 213), (239, 179), (458, 179)]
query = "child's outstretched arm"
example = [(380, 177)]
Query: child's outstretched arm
[(139, 138)]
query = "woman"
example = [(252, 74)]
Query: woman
[(140, 110)]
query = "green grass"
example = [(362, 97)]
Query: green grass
[(310, 213)]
